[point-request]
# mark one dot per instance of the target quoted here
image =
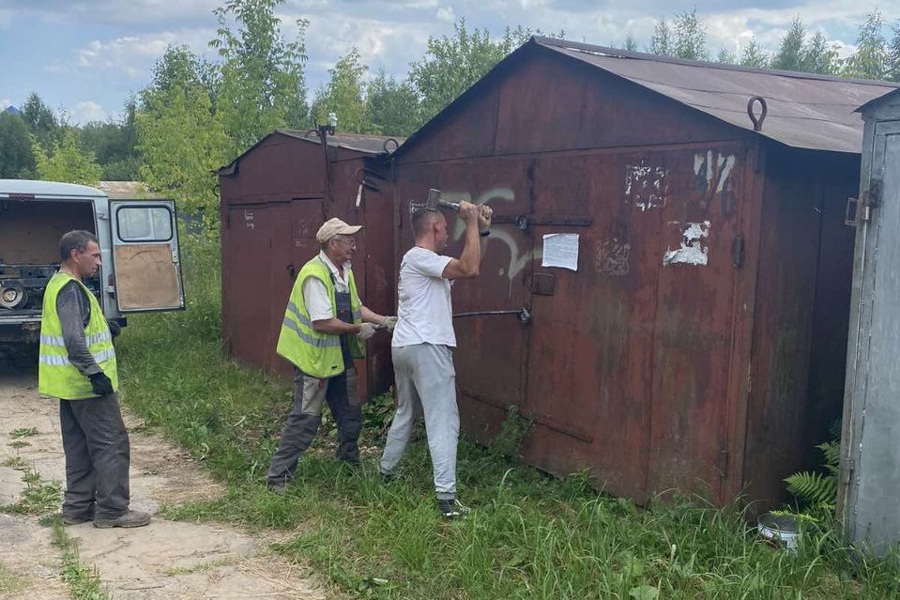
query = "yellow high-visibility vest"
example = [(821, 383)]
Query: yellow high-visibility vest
[(314, 353), (56, 375)]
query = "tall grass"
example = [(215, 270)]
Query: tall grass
[(530, 535)]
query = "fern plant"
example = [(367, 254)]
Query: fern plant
[(817, 492)]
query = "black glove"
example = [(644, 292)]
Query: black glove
[(100, 384), (114, 328)]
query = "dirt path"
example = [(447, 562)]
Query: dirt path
[(164, 560)]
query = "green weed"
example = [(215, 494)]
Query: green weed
[(83, 581), (23, 432), (17, 444), (10, 582), (15, 462), (39, 497)]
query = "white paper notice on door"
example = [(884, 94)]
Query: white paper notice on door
[(561, 250)]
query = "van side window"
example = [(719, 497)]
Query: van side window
[(144, 223)]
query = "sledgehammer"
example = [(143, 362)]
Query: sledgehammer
[(434, 202)]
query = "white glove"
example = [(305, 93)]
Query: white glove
[(366, 330), (389, 323)]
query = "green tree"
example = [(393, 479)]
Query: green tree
[(726, 57), (452, 64), (16, 157), (67, 161), (870, 61), (261, 82), (661, 43), (790, 53), (393, 106), (893, 68), (630, 43), (345, 95), (41, 121), (689, 36), (754, 56), (114, 145), (180, 137), (819, 56)]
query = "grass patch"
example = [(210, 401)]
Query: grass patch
[(17, 444), (15, 462), (530, 535), (23, 432), (10, 582), (82, 580), (40, 497)]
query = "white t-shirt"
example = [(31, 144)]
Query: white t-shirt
[(315, 294), (425, 314)]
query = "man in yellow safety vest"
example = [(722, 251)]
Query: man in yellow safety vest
[(77, 364), (325, 327)]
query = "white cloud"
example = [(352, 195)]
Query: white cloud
[(446, 14), (87, 111), (114, 11), (5, 102)]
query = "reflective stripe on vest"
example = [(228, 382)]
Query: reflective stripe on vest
[(57, 376), (314, 353)]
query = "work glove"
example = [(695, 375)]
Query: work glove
[(389, 323), (101, 384), (114, 328), (366, 330)]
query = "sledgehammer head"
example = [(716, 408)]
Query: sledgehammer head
[(434, 202)]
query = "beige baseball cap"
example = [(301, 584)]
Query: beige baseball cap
[(333, 227)]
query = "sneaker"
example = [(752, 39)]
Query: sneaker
[(131, 518), (386, 478), (452, 508)]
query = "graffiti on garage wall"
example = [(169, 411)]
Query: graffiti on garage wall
[(691, 250), (712, 179), (645, 186)]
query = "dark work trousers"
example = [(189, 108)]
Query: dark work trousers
[(310, 394), (97, 451)]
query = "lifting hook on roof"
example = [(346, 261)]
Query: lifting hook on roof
[(389, 142), (763, 110)]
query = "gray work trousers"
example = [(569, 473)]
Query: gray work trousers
[(98, 455), (426, 385), (310, 395)]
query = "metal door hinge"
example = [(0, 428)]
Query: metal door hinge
[(737, 252), (860, 209)]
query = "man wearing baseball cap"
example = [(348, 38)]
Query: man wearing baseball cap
[(325, 327)]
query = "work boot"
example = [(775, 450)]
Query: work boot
[(131, 518), (77, 519)]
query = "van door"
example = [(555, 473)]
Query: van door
[(146, 256)]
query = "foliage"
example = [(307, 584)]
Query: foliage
[(790, 54), (515, 429), (180, 137), (41, 121), (83, 581), (753, 55), (393, 105), (66, 161), (684, 38), (40, 497), (820, 57), (893, 67), (16, 157), (452, 64), (114, 145), (261, 85), (871, 56), (344, 95), (817, 492)]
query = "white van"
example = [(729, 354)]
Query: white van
[(141, 268)]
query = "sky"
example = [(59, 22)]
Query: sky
[(87, 57)]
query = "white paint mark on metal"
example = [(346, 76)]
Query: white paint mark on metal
[(692, 250), (248, 219), (725, 171), (645, 186)]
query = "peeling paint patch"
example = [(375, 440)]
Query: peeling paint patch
[(712, 178), (645, 186), (612, 257), (692, 250)]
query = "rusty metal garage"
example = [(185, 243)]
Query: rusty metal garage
[(274, 197), (700, 342)]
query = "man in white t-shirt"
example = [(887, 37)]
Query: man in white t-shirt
[(422, 342)]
